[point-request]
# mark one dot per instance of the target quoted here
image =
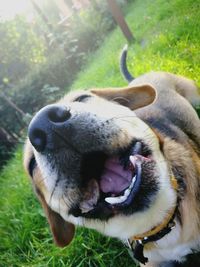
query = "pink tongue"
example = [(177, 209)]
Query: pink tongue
[(115, 179)]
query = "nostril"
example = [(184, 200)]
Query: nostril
[(38, 139), (46, 126), (59, 114)]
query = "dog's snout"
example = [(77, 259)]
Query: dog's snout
[(45, 126)]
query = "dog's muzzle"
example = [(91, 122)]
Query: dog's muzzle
[(78, 146)]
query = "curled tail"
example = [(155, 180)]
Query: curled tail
[(123, 67)]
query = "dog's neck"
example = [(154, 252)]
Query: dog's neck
[(156, 233)]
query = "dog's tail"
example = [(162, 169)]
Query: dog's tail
[(123, 66)]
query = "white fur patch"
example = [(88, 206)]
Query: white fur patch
[(171, 248), (49, 176)]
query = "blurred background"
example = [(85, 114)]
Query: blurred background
[(43, 45)]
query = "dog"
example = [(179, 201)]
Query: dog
[(125, 162)]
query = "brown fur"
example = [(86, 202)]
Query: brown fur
[(62, 231), (156, 98), (186, 159)]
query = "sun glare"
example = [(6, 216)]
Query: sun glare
[(10, 8)]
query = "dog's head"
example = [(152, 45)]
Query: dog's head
[(95, 163)]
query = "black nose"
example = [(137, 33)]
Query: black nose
[(45, 126)]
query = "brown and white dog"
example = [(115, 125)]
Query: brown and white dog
[(123, 161)]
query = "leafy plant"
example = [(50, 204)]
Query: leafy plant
[(20, 49)]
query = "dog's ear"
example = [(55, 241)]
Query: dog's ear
[(63, 231), (133, 97)]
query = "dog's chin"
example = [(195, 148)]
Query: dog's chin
[(123, 183)]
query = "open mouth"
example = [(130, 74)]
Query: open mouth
[(122, 183), (113, 182)]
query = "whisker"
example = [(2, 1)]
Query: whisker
[(42, 180), (53, 191), (65, 201)]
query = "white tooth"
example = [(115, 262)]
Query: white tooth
[(133, 182), (120, 199), (127, 192), (111, 200), (133, 159), (115, 200)]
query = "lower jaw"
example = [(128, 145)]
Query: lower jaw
[(104, 212)]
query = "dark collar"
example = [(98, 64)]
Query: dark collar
[(137, 243)]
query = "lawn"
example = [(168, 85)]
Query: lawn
[(167, 38)]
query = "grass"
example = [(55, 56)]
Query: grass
[(25, 238), (168, 38)]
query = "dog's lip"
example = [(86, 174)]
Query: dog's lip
[(90, 196), (121, 191)]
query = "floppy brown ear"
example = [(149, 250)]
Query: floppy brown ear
[(133, 97), (63, 231)]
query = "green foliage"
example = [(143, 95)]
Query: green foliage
[(39, 87), (20, 49), (79, 36)]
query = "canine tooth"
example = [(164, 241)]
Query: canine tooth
[(133, 159)]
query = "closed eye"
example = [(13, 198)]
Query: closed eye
[(31, 166), (82, 98)]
